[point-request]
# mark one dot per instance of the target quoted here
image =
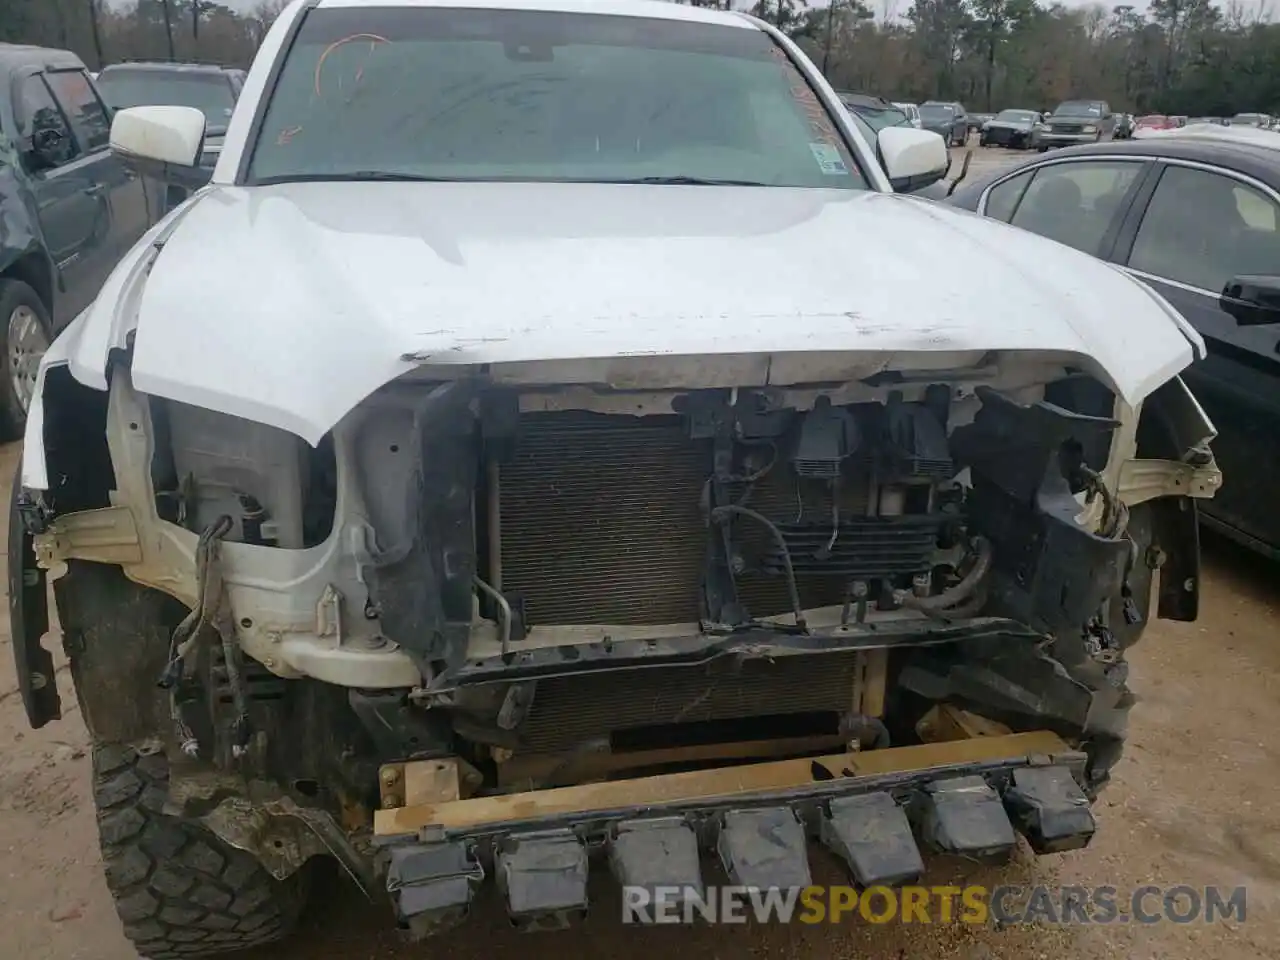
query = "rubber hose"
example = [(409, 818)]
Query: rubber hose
[(963, 590)]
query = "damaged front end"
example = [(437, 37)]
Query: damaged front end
[(521, 618)]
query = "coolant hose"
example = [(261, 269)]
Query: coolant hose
[(963, 590)]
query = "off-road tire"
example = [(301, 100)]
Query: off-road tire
[(179, 890)]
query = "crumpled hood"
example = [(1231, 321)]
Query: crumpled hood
[(292, 303)]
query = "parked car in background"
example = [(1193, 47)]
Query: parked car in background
[(210, 88), (1209, 121), (69, 210), (1193, 213), (876, 111), (1251, 120), (1078, 121), (912, 111), (1018, 129), (976, 120), (947, 119), (1152, 123)]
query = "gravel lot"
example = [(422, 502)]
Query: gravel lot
[(1191, 804)]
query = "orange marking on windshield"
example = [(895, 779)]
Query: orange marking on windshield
[(373, 38)]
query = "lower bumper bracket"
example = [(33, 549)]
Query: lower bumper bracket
[(964, 816), (544, 879), (1049, 809), (872, 834), (764, 849), (431, 887), (656, 854)]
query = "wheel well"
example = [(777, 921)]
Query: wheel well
[(75, 438), (34, 270)]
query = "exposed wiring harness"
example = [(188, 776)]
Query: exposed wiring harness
[(195, 627), (722, 514), (1115, 513)]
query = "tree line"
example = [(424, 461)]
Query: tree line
[(101, 32), (1178, 56)]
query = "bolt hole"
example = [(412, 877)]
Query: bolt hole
[(246, 622), (133, 426), (308, 788), (395, 448), (278, 844)]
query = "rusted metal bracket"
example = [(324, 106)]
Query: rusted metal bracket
[(1143, 480), (427, 781)]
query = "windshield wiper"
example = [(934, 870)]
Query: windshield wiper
[(374, 176), (687, 181), (367, 176)]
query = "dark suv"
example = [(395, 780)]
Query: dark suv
[(69, 210), (948, 119), (210, 88)]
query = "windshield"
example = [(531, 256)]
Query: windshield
[(1018, 116), (1079, 108), (478, 94), (931, 111), (878, 117), (209, 93)]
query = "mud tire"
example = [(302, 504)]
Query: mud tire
[(179, 890)]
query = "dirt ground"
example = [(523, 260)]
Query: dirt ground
[(1192, 803)]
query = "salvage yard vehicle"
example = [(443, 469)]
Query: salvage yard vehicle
[(1018, 129), (949, 120), (1195, 213), (69, 210), (561, 482), (1078, 121)]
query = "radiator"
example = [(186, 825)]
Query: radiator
[(600, 524), (600, 520)]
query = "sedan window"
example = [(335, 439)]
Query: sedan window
[(1202, 228), (1003, 198), (1074, 203)]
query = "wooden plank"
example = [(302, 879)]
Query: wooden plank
[(874, 681), (946, 722), (707, 784)]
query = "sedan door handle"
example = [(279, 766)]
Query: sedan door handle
[(95, 190)]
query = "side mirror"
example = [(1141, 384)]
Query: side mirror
[(912, 159), (1254, 301), (48, 149), (164, 142)]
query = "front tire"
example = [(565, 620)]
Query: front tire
[(26, 328), (180, 892)]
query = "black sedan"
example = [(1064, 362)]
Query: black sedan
[(1196, 216), (1011, 128)]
